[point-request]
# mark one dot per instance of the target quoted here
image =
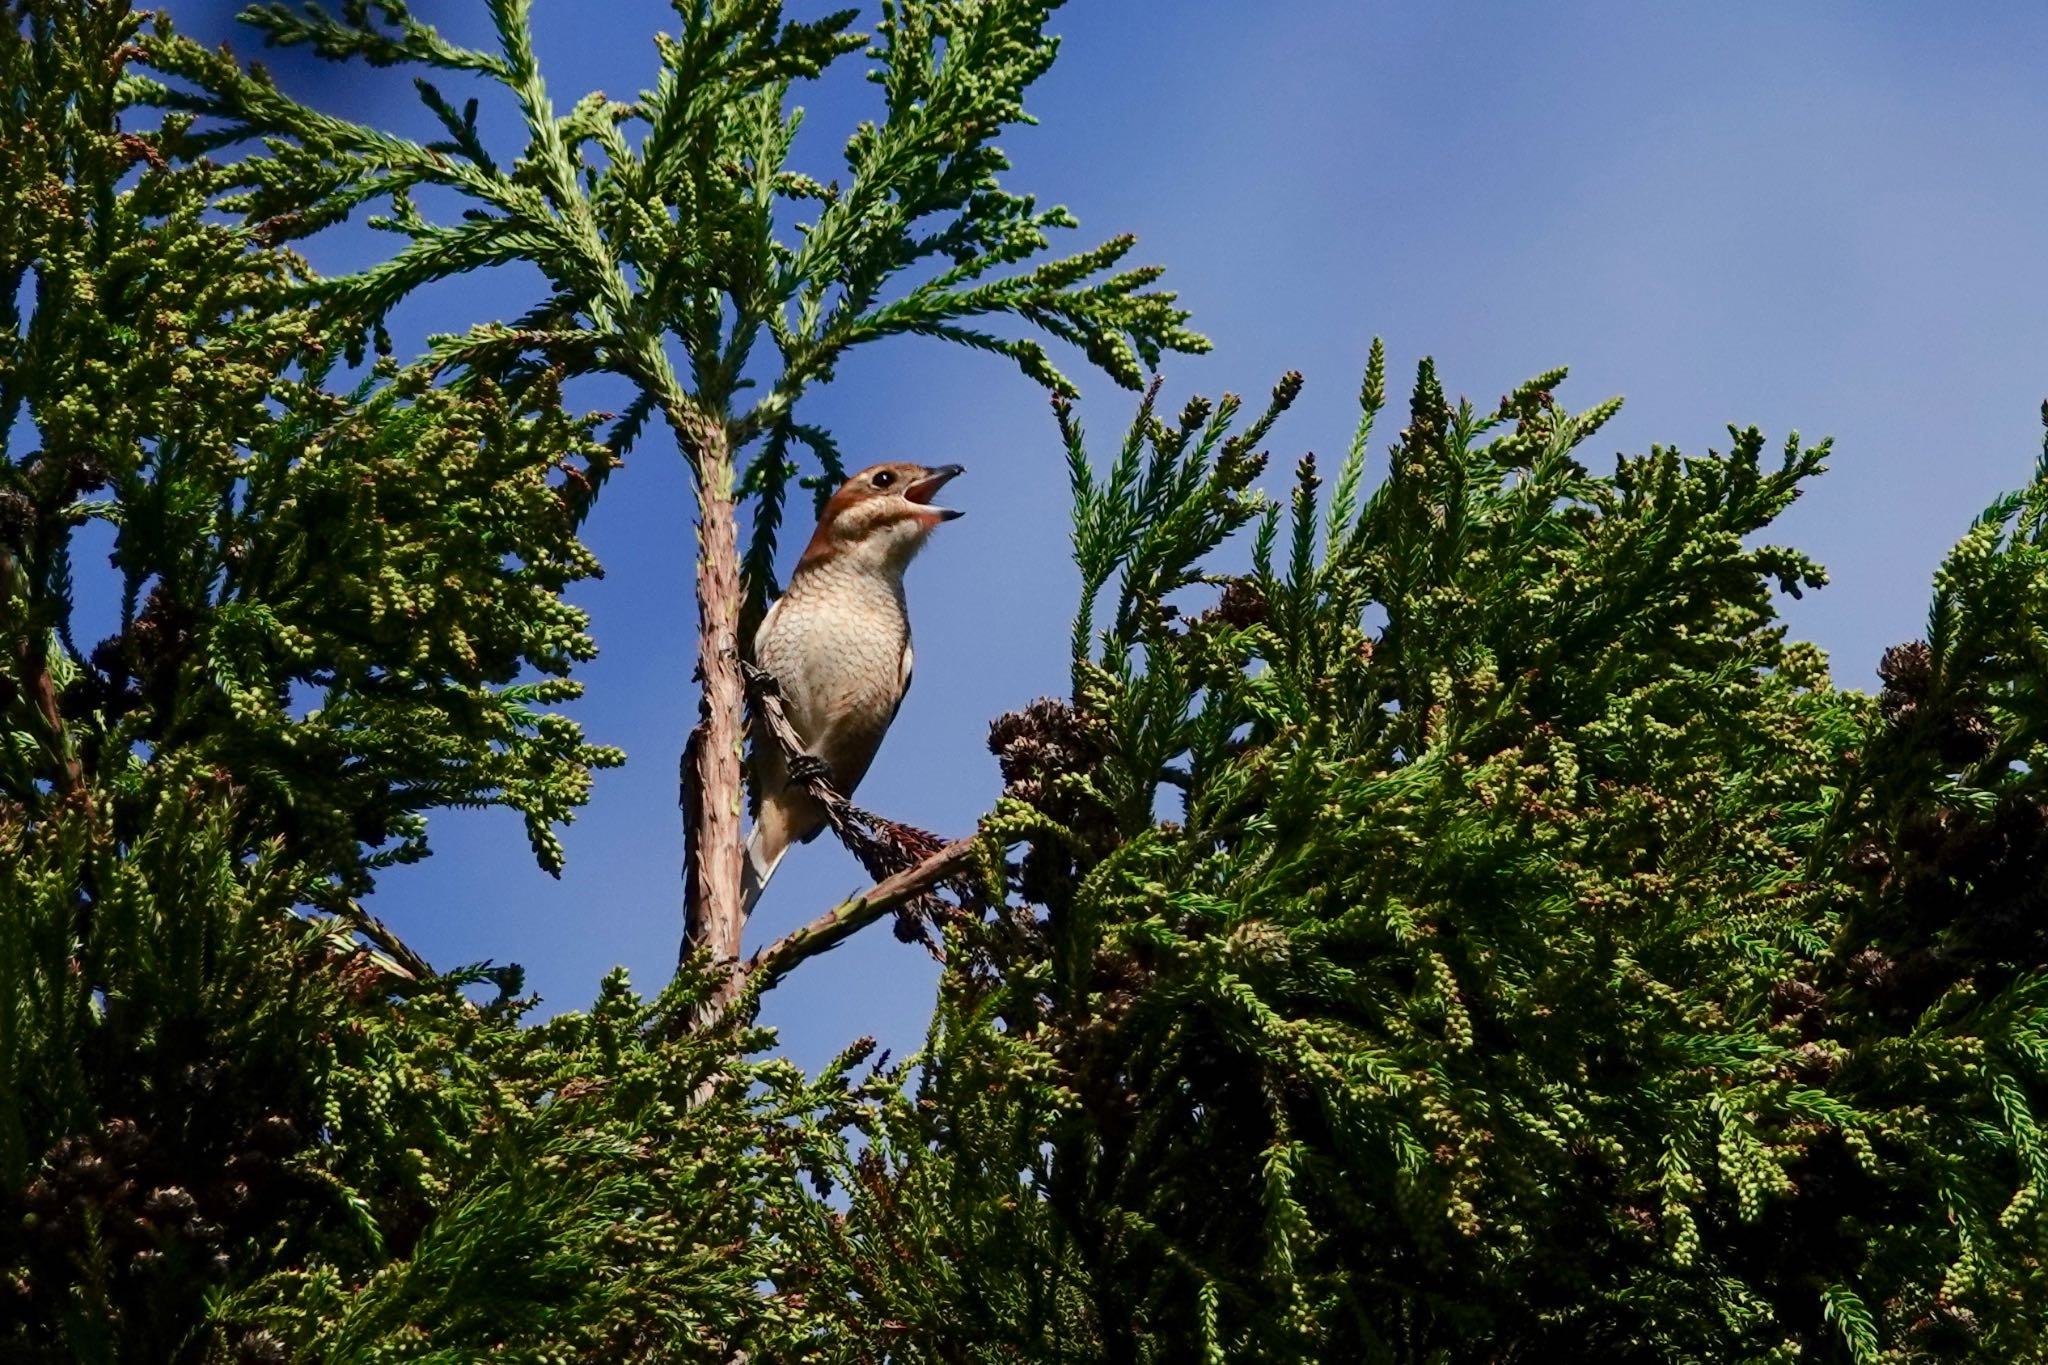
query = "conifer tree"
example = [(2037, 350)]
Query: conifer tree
[(1543, 959), (244, 1121)]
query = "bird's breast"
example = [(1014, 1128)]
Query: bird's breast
[(835, 645)]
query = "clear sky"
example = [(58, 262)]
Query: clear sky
[(1824, 216)]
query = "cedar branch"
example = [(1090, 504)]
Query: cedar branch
[(842, 921), (391, 945), (33, 669), (714, 784)]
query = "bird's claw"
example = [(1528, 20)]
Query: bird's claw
[(809, 770)]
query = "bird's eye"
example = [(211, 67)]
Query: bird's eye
[(883, 479)]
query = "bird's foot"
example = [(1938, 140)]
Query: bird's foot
[(809, 770)]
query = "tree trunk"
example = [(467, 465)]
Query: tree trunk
[(712, 915)]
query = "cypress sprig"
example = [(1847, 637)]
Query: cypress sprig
[(674, 232)]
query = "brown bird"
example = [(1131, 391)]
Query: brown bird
[(838, 643)]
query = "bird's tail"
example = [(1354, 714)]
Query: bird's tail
[(765, 847)]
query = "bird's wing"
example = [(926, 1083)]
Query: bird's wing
[(853, 738), (767, 621), (904, 668)]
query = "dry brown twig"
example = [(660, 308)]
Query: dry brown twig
[(399, 960), (952, 862)]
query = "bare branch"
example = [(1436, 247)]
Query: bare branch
[(804, 768), (410, 964), (842, 921)]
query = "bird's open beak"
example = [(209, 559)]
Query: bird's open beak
[(925, 489)]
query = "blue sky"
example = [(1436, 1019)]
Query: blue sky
[(1820, 217)]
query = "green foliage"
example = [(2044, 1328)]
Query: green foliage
[(241, 1121), (230, 1125), (396, 554), (261, 1153), (595, 1192), (1505, 989), (655, 221)]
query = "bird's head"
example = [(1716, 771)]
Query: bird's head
[(880, 517)]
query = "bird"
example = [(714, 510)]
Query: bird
[(837, 643)]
